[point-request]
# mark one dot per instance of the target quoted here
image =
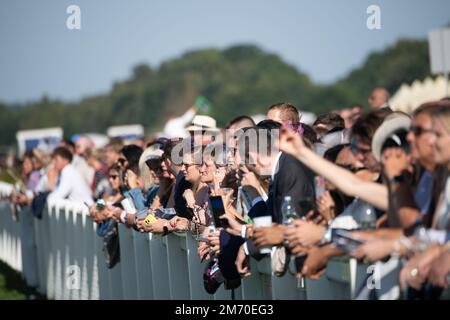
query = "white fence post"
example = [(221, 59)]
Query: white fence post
[(144, 275), (127, 262), (150, 267), (159, 265)]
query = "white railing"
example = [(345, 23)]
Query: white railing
[(52, 251)]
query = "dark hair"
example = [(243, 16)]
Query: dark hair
[(168, 145), (332, 153), (287, 109), (309, 133), (134, 167), (28, 154), (259, 133), (238, 120), (63, 153), (114, 167), (330, 120), (397, 140), (68, 142), (366, 125), (269, 124), (431, 107), (132, 153)]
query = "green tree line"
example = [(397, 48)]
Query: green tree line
[(242, 79)]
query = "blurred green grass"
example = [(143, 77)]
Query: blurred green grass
[(13, 287)]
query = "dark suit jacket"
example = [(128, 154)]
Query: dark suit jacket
[(181, 184), (292, 179)]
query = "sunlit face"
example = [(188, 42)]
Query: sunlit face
[(59, 162), (363, 153), (441, 145), (421, 138), (111, 156), (155, 176), (165, 170), (207, 170), (377, 99), (190, 170)]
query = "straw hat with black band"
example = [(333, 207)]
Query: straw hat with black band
[(203, 123), (391, 133)]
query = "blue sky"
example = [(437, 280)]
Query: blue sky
[(324, 38)]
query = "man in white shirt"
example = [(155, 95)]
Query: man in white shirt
[(70, 185)]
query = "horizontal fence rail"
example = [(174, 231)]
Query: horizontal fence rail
[(62, 256)]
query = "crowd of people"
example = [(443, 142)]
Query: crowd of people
[(373, 185)]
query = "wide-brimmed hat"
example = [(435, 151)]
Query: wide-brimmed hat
[(203, 123), (393, 124)]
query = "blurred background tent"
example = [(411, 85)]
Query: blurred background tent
[(409, 97)]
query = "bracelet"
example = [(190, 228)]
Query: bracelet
[(243, 231)]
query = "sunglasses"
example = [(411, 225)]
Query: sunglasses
[(356, 150), (418, 131), (113, 176)]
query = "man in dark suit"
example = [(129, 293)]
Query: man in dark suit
[(289, 177)]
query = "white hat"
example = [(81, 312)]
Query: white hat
[(390, 125), (200, 123), (151, 153)]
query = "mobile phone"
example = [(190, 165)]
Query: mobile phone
[(300, 261), (150, 219), (217, 208)]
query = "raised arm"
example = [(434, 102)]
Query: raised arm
[(374, 193)]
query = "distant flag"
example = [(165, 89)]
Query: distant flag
[(202, 105)]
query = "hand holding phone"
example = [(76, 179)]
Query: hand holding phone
[(218, 209)]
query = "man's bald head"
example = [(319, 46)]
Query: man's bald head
[(282, 112), (379, 98)]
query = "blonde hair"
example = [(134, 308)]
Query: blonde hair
[(145, 173), (41, 156), (97, 154), (442, 112)]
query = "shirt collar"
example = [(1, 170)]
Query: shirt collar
[(275, 165)]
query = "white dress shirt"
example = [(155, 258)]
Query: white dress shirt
[(71, 186)]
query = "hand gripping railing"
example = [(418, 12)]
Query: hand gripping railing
[(62, 256)]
